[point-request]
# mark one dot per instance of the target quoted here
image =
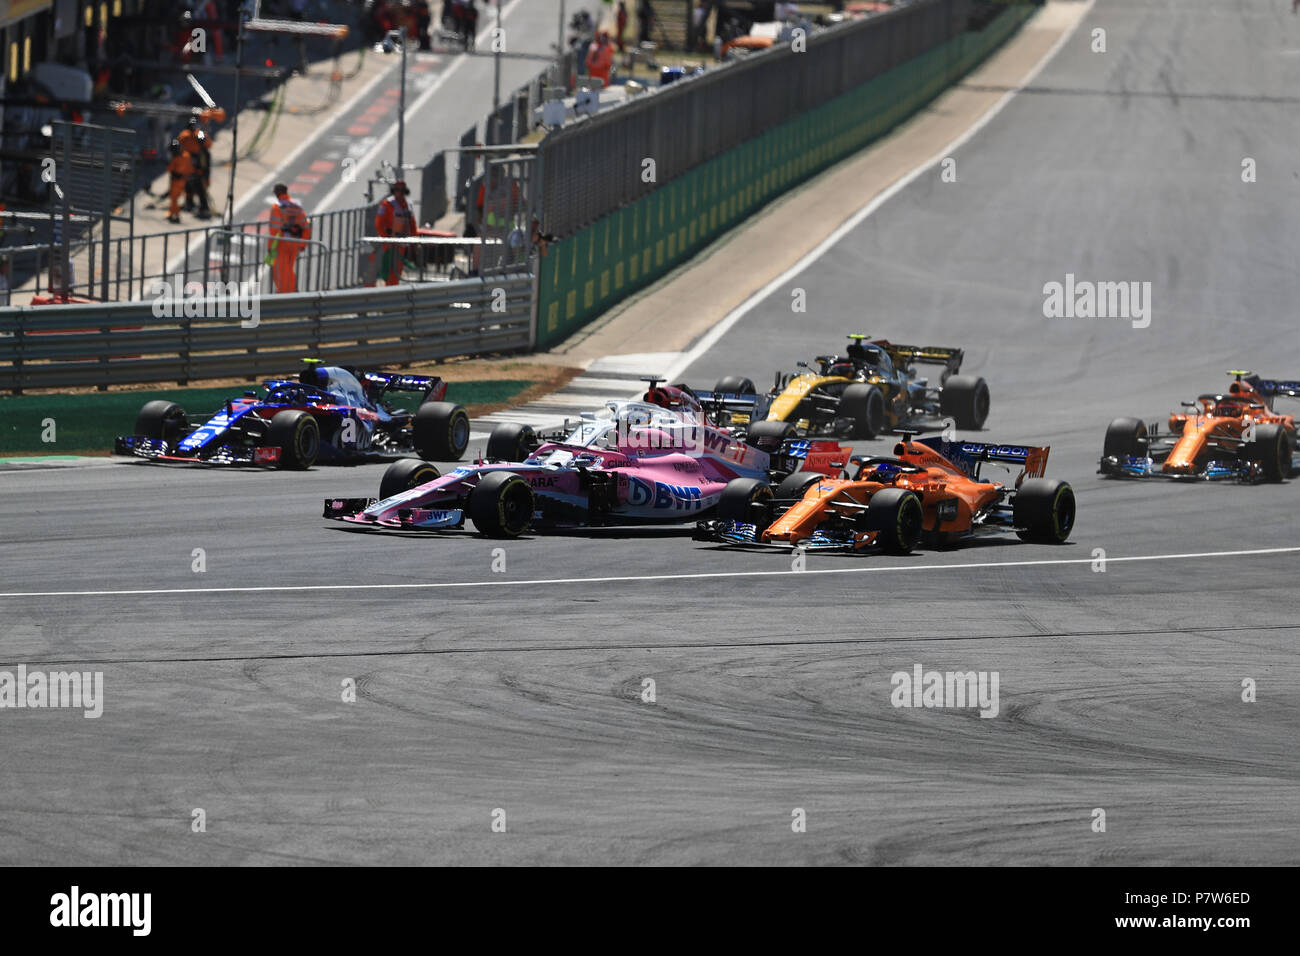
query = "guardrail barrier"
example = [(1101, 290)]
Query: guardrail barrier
[(589, 271), (184, 338)]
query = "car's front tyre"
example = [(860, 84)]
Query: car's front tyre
[(161, 420), (404, 475), (895, 515), (297, 435), (501, 505)]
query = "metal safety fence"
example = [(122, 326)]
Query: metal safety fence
[(587, 272), (336, 258), (598, 164), (185, 338)]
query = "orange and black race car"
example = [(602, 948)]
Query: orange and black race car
[(1236, 436), (930, 489)]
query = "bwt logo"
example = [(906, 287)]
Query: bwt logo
[(659, 495), (923, 688), (1098, 300), (102, 909)]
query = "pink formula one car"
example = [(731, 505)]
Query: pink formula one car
[(653, 461)]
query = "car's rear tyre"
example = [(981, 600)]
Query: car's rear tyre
[(1125, 438), (297, 435), (441, 431), (895, 513), (1043, 511), (404, 475), (768, 435), (746, 500), (161, 419), (864, 407), (735, 385), (794, 485), (1272, 450), (510, 442), (965, 399), (501, 505)]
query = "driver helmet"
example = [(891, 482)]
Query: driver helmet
[(676, 397)]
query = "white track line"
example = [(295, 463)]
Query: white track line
[(365, 161), (569, 582), (710, 339), (249, 196), (261, 189)]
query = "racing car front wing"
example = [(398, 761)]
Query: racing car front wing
[(353, 510), (1130, 466), (744, 534), (159, 449)]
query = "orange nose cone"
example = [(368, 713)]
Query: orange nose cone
[(1183, 459), (799, 522)]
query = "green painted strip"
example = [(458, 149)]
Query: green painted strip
[(92, 420), (715, 196)]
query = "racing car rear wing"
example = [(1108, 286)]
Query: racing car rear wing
[(968, 455), (1272, 388), (727, 408), (735, 400), (927, 355), (431, 385)]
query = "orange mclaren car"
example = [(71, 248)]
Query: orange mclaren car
[(1237, 435), (930, 488)]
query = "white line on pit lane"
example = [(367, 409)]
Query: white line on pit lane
[(686, 359), (615, 579)]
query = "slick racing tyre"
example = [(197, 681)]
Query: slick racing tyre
[(896, 514), (404, 475), (441, 431), (161, 419), (1125, 438), (1043, 511), (1272, 450), (735, 385), (768, 435), (501, 505), (965, 399), (794, 485), (864, 407), (297, 436), (747, 501), (510, 442)]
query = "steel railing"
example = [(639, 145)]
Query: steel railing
[(134, 342), (596, 165), (338, 259)]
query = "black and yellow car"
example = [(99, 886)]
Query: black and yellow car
[(870, 390)]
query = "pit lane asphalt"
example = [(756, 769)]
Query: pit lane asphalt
[(1119, 690)]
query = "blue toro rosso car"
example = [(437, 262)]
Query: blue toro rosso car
[(328, 414)]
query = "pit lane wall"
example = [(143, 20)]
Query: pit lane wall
[(591, 270)]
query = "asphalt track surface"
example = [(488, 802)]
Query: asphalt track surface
[(522, 690)]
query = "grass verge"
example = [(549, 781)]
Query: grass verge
[(86, 423)]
